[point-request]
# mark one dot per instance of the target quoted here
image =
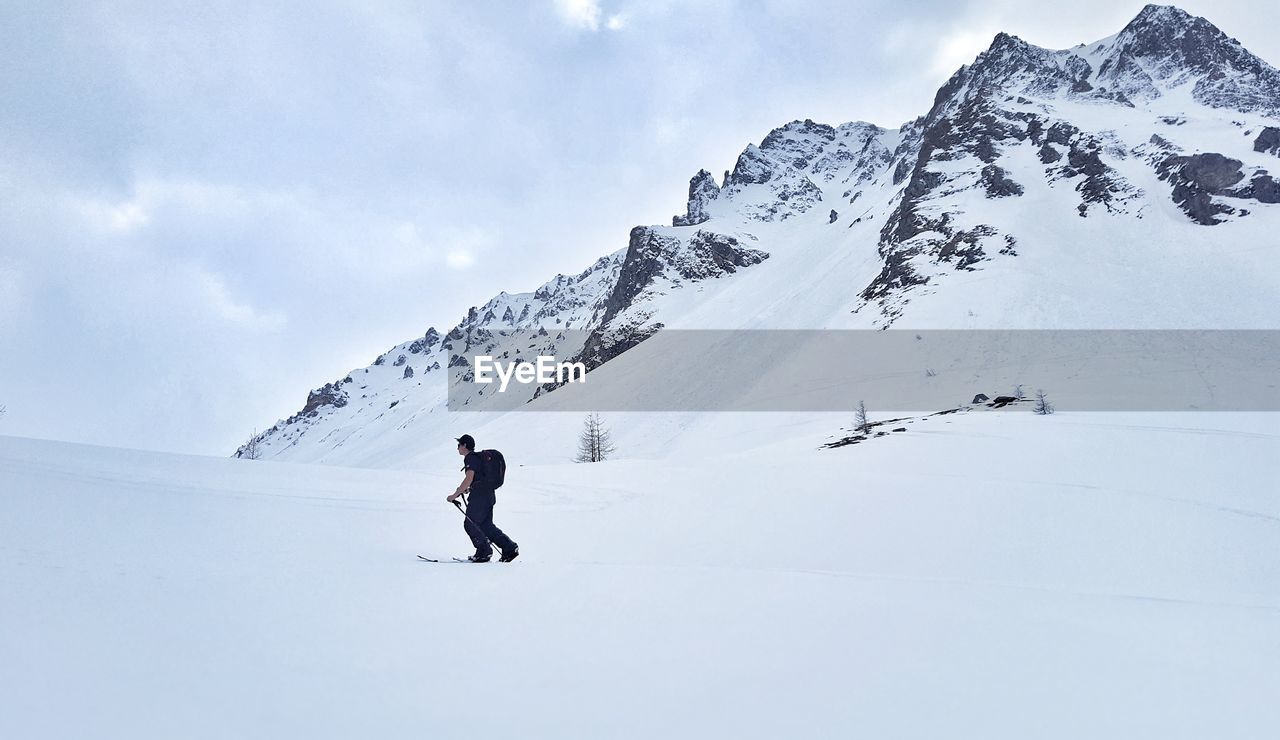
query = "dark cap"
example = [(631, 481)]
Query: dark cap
[(466, 441)]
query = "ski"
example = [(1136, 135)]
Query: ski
[(424, 558)]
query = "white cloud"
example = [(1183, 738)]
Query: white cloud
[(151, 195), (958, 48), (124, 217), (464, 244), (587, 15), (459, 259), (580, 13), (215, 292)]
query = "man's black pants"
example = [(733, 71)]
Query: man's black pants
[(483, 531)]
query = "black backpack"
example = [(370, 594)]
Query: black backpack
[(493, 468)]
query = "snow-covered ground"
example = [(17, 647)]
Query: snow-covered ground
[(985, 574)]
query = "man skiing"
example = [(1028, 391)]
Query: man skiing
[(479, 514)]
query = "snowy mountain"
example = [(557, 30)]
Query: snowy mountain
[(1119, 184)]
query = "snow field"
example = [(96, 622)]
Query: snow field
[(983, 574)]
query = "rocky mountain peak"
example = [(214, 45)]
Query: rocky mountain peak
[(1161, 49), (805, 129), (1162, 20), (1164, 47), (426, 342), (1006, 43)]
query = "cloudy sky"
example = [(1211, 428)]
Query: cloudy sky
[(207, 210)]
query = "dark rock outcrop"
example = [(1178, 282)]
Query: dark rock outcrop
[(752, 168), (644, 262), (1199, 177), (709, 255), (331, 394), (1268, 141), (964, 248), (1101, 184), (427, 342), (997, 182), (650, 255), (1263, 189), (702, 190)]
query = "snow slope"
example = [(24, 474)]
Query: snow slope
[(983, 574)]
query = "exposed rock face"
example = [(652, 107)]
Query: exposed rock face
[(752, 168), (964, 248), (652, 254), (1264, 189), (647, 252), (1268, 141), (1048, 154), (1210, 172), (426, 343), (1198, 178), (914, 235), (1100, 183), (997, 182), (702, 190), (779, 179), (653, 257), (709, 255), (331, 394)]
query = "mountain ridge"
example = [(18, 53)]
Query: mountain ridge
[(1121, 130)]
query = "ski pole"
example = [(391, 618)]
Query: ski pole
[(478, 529), (477, 526)]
